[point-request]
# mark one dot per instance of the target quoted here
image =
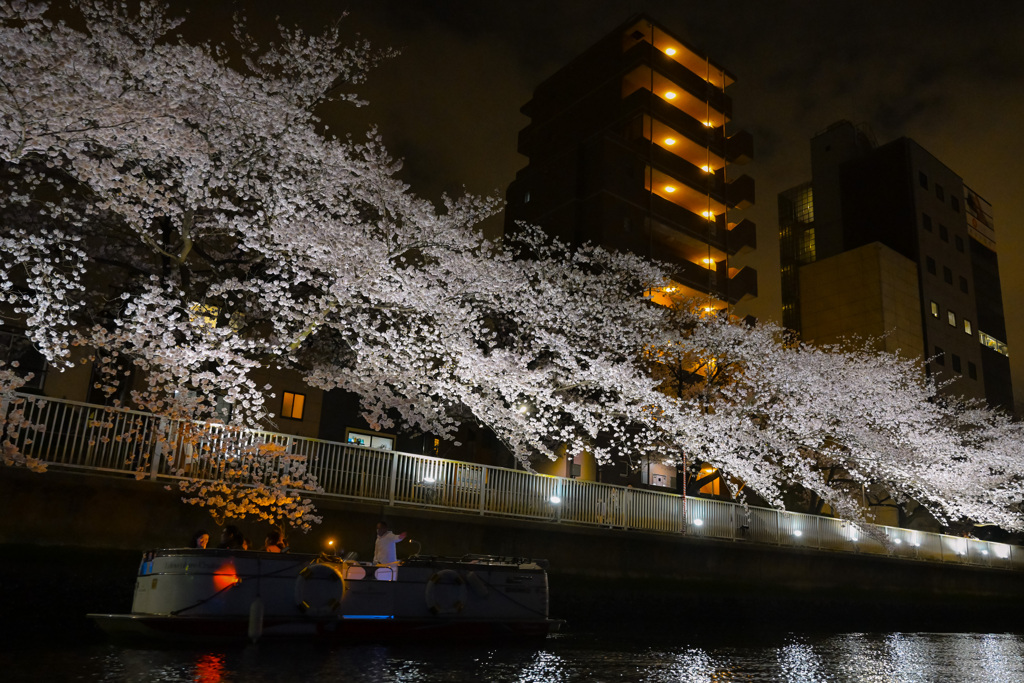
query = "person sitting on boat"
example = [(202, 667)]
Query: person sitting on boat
[(384, 548), (274, 542), (231, 538), (200, 539)]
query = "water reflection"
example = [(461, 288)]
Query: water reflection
[(697, 666), (569, 658), (799, 662), (209, 668), (545, 667)]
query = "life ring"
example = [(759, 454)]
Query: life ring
[(319, 589), (446, 577)]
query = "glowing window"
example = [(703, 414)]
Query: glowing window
[(714, 487), (293, 405), (951, 318), (203, 315), (935, 310), (967, 327)]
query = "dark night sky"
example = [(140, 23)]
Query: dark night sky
[(948, 74)]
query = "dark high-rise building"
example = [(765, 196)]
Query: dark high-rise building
[(627, 149), (886, 241)]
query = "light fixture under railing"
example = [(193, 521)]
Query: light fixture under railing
[(798, 533), (698, 522), (555, 500)]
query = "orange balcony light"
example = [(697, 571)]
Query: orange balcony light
[(670, 51), (709, 124), (708, 261), (670, 141), (670, 189), (706, 169), (670, 95), (708, 214)]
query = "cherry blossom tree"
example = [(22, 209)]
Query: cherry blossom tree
[(184, 212)]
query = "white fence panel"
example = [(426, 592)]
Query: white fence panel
[(119, 441)]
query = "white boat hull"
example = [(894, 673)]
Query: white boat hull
[(208, 594)]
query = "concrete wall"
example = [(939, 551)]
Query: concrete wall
[(594, 573), (870, 291)]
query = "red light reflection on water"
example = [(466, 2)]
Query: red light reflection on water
[(224, 577), (210, 668)]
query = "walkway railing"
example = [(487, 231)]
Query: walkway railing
[(118, 442)]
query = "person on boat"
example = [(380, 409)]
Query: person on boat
[(200, 539), (384, 548), (274, 542), (231, 538)]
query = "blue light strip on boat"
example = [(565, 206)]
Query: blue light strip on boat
[(368, 616)]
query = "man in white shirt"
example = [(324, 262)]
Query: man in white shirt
[(384, 548)]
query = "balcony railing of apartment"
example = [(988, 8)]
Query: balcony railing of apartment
[(119, 442)]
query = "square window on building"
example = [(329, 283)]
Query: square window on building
[(930, 264), (943, 233), (940, 356), (923, 179), (926, 222), (972, 370), (939, 192), (292, 405), (935, 310), (951, 318), (956, 362), (963, 284), (959, 243), (947, 275), (382, 442), (955, 204), (967, 327)]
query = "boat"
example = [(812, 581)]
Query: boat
[(195, 594)]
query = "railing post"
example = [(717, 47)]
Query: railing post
[(158, 450), (394, 477), (484, 478)]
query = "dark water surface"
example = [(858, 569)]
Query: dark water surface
[(604, 655)]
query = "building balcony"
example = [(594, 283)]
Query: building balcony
[(716, 281), (739, 193), (739, 148), (743, 236), (645, 54), (686, 221), (742, 285)]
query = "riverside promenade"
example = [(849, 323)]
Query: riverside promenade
[(611, 549)]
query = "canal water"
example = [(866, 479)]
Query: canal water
[(577, 655), (46, 637)]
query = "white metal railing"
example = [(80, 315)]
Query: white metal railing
[(119, 441)]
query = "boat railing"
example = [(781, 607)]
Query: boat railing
[(119, 442)]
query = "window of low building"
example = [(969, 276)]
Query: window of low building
[(293, 405)]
